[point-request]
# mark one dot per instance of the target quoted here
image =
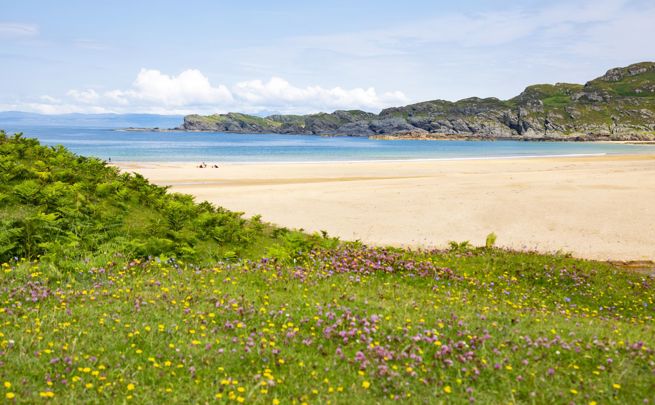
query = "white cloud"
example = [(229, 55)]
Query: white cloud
[(192, 92), (49, 99), (44, 106), (18, 30), (279, 93), (189, 88), (84, 96)]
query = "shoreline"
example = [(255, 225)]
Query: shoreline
[(382, 161), (595, 207), (394, 137)]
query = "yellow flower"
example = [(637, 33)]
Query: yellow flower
[(130, 387), (593, 403), (46, 394), (10, 395), (616, 386), (447, 389), (7, 384), (276, 401), (366, 384), (574, 392)]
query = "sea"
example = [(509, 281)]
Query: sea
[(215, 147)]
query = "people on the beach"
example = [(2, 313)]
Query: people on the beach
[(204, 165)]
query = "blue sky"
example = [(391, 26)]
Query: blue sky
[(299, 57)]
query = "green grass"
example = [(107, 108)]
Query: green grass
[(628, 85), (122, 299), (420, 327), (557, 101)]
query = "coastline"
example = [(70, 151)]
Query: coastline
[(401, 137), (595, 207)]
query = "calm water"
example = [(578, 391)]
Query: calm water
[(221, 147)]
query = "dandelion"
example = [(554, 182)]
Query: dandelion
[(130, 387), (616, 386), (447, 389), (366, 385), (10, 395)]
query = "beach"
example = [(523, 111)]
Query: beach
[(594, 207)]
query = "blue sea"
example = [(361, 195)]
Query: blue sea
[(123, 146)]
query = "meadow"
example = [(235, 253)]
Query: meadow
[(114, 291)]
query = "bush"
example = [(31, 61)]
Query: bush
[(58, 205)]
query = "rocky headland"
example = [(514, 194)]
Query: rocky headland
[(618, 106)]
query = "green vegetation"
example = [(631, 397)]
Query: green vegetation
[(637, 80), (314, 321), (244, 120), (64, 209)]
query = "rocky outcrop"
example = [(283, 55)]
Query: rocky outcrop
[(620, 105)]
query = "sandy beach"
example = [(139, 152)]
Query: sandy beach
[(593, 207)]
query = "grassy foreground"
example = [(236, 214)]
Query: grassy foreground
[(315, 322), (348, 325)]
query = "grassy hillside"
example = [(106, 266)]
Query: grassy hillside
[(619, 105), (313, 321), (61, 208)]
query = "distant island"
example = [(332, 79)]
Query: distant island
[(620, 105)]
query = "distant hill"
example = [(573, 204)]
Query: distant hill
[(619, 105), (18, 118)]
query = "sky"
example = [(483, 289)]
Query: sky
[(193, 56)]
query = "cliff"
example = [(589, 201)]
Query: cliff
[(619, 105)]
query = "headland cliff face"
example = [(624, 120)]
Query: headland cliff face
[(620, 105)]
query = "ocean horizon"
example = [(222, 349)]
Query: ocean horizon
[(216, 147)]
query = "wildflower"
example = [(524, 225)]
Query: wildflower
[(130, 387), (366, 385), (447, 389), (616, 386), (10, 395)]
